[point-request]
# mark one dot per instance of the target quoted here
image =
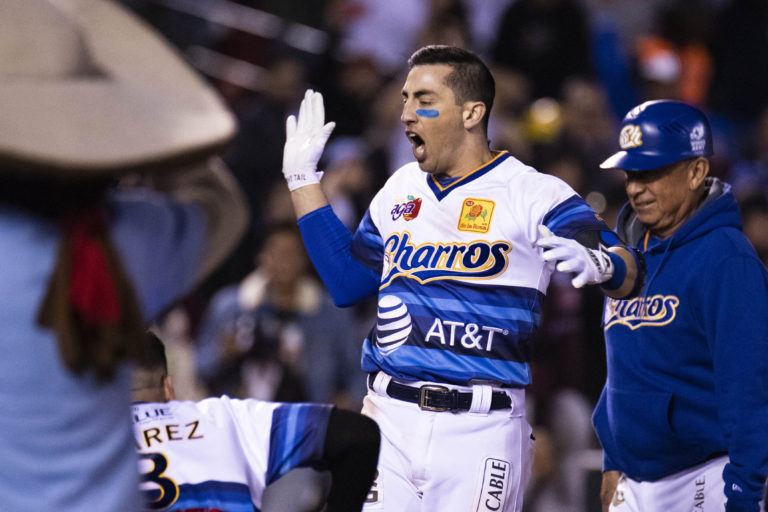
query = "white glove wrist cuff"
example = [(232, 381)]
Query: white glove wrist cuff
[(298, 179)]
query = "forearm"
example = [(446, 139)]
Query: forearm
[(628, 273), (210, 186), (328, 244), (608, 488), (308, 199), (628, 264)]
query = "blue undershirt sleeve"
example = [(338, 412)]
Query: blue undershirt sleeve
[(328, 243), (619, 273)]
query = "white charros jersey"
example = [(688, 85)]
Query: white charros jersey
[(461, 277), (220, 453)]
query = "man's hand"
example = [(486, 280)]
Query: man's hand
[(305, 139), (608, 488), (590, 266)]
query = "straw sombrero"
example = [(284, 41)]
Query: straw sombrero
[(86, 89)]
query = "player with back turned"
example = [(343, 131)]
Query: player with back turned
[(224, 454), (683, 418), (450, 246)]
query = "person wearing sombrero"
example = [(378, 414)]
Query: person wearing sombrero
[(90, 99)]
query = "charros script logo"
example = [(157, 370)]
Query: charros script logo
[(653, 311), (426, 262), (631, 136)]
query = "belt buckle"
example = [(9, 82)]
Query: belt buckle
[(423, 398)]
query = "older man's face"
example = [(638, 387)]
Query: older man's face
[(662, 198)]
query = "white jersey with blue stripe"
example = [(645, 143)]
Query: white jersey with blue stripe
[(220, 453), (461, 277)]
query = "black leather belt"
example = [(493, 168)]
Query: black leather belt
[(432, 397)]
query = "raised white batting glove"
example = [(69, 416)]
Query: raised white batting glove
[(305, 139), (591, 266)]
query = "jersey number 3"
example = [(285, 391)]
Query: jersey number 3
[(164, 492)]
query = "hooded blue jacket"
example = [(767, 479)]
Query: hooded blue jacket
[(688, 358)]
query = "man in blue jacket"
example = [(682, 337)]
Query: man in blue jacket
[(683, 417)]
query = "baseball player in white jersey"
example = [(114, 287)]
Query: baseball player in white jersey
[(452, 244), (219, 454)]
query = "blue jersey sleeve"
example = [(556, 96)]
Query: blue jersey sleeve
[(330, 247), (574, 218)]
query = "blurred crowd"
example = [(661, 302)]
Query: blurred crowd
[(566, 73)]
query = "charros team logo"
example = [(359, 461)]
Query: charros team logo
[(479, 259), (631, 136), (393, 324), (653, 311), (408, 209), (476, 215)]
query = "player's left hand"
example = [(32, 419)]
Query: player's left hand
[(591, 266), (305, 140)]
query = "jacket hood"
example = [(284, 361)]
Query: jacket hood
[(719, 209)]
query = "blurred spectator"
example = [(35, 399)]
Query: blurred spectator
[(383, 31), (388, 32), (546, 40), (627, 19), (587, 131), (754, 215), (484, 17), (588, 126), (559, 480), (740, 52), (749, 174), (611, 55), (257, 149), (347, 178), (277, 336), (301, 11), (181, 29), (568, 349), (447, 23), (385, 136), (674, 62), (506, 129), (352, 86), (566, 166), (253, 156)]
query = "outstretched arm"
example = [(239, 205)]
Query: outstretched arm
[(327, 240)]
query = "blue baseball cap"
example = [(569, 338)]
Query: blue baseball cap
[(658, 133)]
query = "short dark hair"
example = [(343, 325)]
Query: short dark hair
[(470, 80), (155, 357)]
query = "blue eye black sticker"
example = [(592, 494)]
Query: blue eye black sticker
[(426, 112)]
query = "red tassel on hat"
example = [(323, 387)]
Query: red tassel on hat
[(92, 290)]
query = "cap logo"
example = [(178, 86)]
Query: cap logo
[(697, 137), (630, 137)]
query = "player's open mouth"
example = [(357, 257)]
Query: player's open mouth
[(417, 142)]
